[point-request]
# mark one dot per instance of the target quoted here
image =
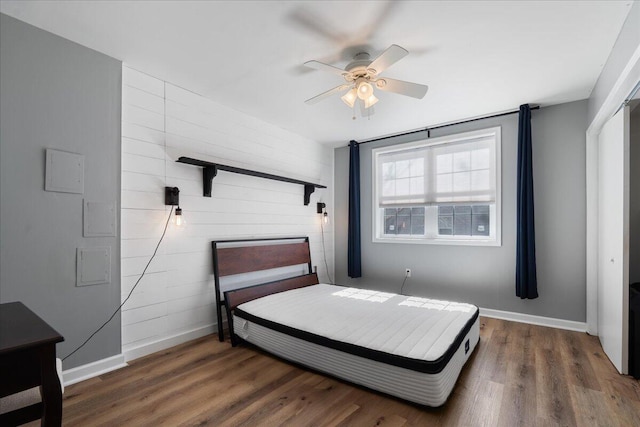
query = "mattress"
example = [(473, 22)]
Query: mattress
[(409, 347)]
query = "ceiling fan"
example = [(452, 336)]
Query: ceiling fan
[(363, 75)]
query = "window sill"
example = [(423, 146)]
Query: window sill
[(439, 241)]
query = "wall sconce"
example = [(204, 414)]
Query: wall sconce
[(322, 209), (172, 198)]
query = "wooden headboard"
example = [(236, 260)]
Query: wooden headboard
[(250, 255)]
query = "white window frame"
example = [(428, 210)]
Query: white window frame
[(431, 237)]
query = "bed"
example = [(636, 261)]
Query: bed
[(408, 347)]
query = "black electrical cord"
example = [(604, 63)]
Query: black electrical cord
[(324, 252), (128, 296), (403, 282)]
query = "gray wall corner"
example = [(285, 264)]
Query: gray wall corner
[(58, 95)]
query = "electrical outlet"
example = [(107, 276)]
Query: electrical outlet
[(407, 272)]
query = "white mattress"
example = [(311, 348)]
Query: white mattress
[(409, 347)]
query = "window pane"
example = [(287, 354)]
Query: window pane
[(389, 188), (461, 161), (462, 210), (388, 171), (480, 221), (462, 220), (417, 221), (461, 181), (445, 224), (416, 185), (445, 220), (480, 209), (462, 224), (444, 183), (402, 187), (480, 159), (402, 169), (390, 224), (417, 228), (480, 180), (404, 223), (417, 167), (480, 225), (444, 163), (445, 210), (404, 211)]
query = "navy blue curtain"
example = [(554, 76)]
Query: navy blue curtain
[(526, 280), (354, 262)]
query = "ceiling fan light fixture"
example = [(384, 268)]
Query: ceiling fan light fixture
[(362, 79), (365, 90), (381, 83), (370, 101), (350, 97)]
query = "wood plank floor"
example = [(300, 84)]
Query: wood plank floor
[(519, 375)]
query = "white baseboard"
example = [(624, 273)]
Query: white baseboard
[(93, 369), (90, 370), (99, 367), (569, 325), (167, 342)]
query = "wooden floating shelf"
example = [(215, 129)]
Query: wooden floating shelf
[(210, 170)]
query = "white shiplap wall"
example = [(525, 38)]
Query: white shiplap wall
[(174, 301)]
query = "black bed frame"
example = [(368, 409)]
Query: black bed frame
[(232, 260)]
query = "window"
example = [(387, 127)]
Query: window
[(404, 221), (440, 190)]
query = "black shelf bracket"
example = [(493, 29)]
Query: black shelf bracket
[(308, 190), (210, 171)]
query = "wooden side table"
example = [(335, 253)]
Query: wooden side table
[(28, 359)]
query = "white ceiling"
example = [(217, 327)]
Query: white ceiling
[(478, 57)]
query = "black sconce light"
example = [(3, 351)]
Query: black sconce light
[(172, 198), (322, 209)]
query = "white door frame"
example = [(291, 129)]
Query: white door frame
[(627, 80)]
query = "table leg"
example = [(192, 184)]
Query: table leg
[(51, 392)]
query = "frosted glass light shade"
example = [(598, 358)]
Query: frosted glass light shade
[(365, 90), (370, 101), (349, 98)]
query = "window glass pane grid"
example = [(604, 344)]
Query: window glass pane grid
[(404, 221), (442, 190), (464, 220), (461, 172)]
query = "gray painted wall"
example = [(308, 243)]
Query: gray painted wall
[(57, 94), (485, 276)]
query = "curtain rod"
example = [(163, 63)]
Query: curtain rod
[(429, 129)]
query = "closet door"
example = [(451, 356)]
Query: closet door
[(613, 239)]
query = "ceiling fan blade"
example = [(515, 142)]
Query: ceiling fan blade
[(317, 65), (305, 19), (413, 90), (386, 59), (326, 94)]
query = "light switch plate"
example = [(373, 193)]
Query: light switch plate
[(99, 219), (93, 266), (64, 172)]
